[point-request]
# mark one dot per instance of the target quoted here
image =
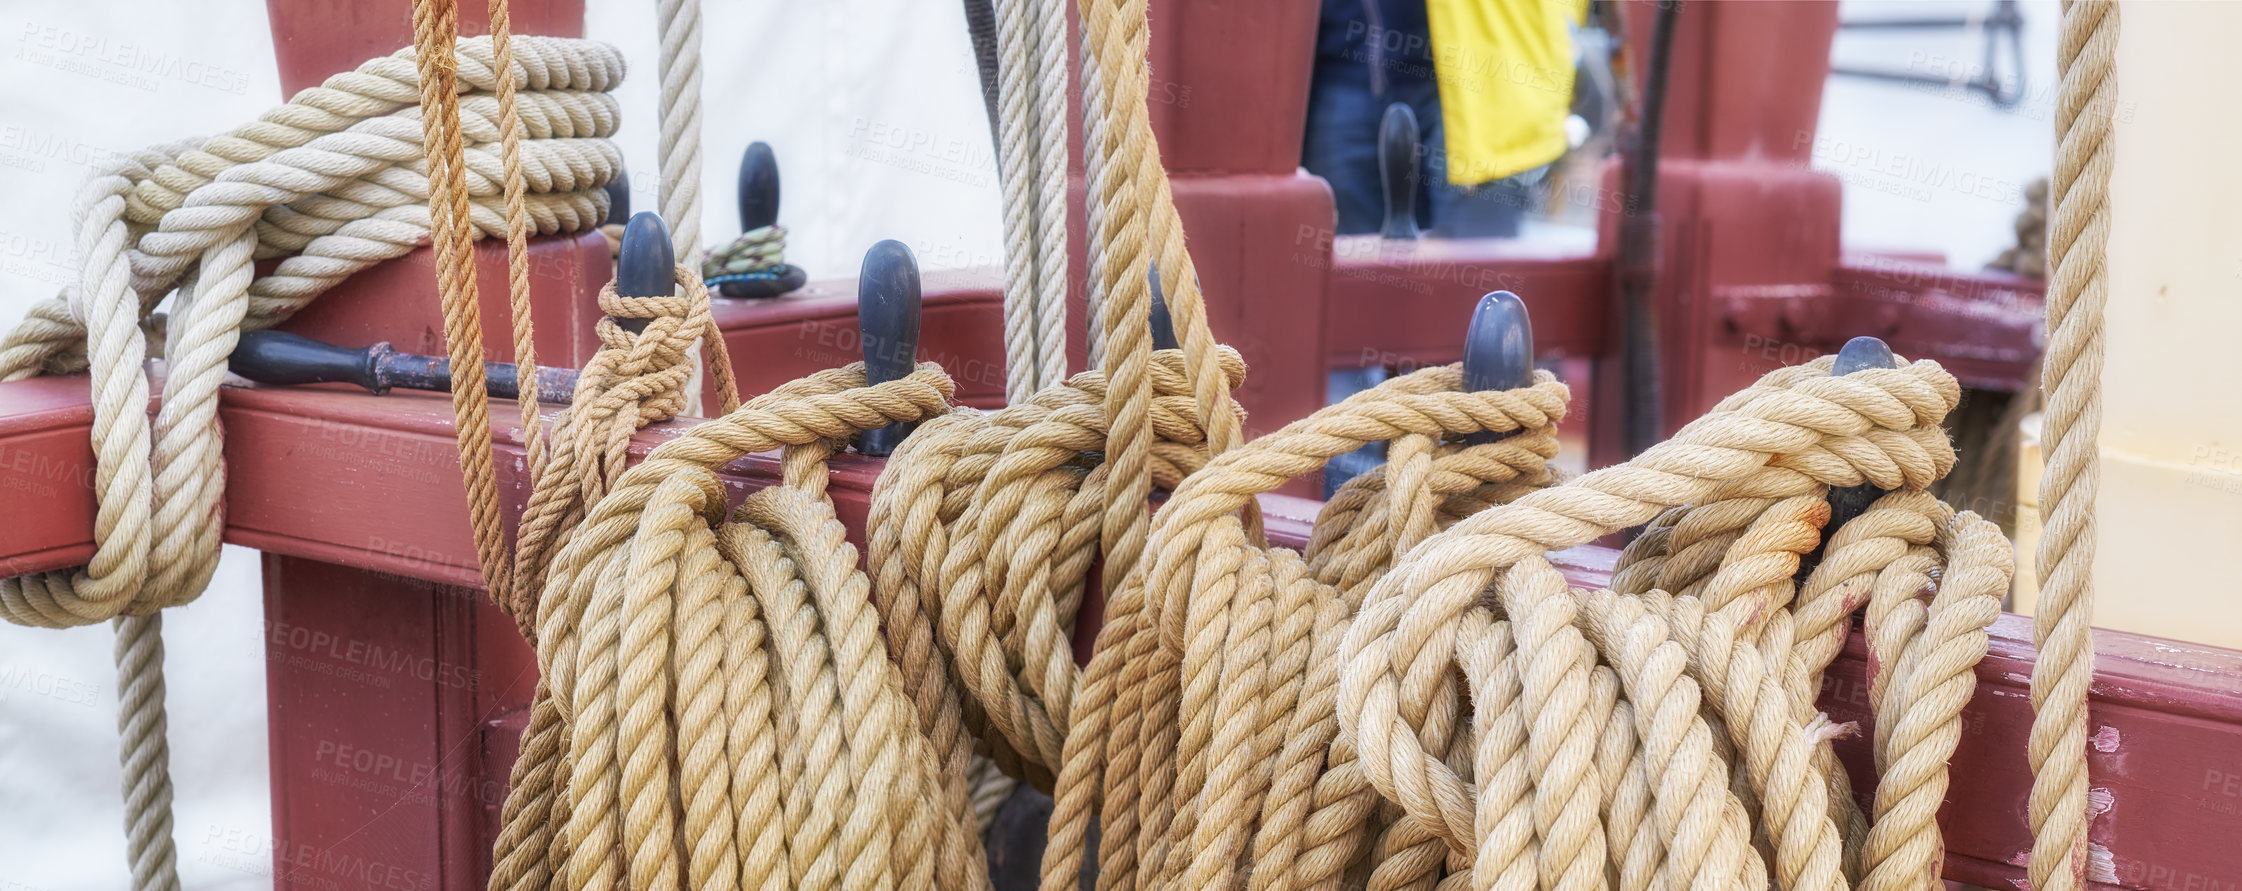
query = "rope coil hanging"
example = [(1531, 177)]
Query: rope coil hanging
[(328, 184), (637, 378), (793, 746), (560, 824), (1554, 791), (1205, 711), (982, 532)]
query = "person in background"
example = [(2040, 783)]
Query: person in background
[(1490, 82)]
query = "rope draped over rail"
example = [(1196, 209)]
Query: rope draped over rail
[(1204, 733), (982, 532), (1587, 755), (793, 749), (1415, 699), (636, 379), (329, 183)]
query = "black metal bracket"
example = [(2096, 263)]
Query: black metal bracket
[(887, 315), (281, 358)]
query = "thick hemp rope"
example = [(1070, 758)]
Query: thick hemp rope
[(634, 380), (329, 183), (2071, 376), (982, 532), (678, 146), (714, 703), (1653, 732), (1216, 766), (1030, 133)]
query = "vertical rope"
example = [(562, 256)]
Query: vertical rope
[(145, 752), (1051, 186), (1032, 147), (1016, 27), (435, 30), (517, 240), (2071, 375), (680, 142), (1093, 185)]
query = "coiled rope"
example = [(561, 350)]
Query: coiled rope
[(636, 379), (1650, 735), (619, 729), (793, 749), (1205, 724), (329, 183), (757, 255), (838, 792), (982, 532), (1653, 734)]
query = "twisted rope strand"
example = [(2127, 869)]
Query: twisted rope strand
[(2071, 375)]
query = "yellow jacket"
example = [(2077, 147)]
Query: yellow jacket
[(1506, 82)]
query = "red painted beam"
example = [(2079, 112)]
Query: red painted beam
[(1985, 327), (1405, 303), (814, 328)]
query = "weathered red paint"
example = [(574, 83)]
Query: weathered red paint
[(812, 329)]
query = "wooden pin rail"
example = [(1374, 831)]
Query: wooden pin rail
[(398, 690)]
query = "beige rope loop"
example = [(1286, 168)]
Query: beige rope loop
[(794, 751), (1584, 755), (1204, 722), (982, 532), (1927, 679), (204, 211), (380, 87)]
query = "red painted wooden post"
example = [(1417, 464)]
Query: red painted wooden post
[(376, 761), (379, 682), (1739, 206)]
